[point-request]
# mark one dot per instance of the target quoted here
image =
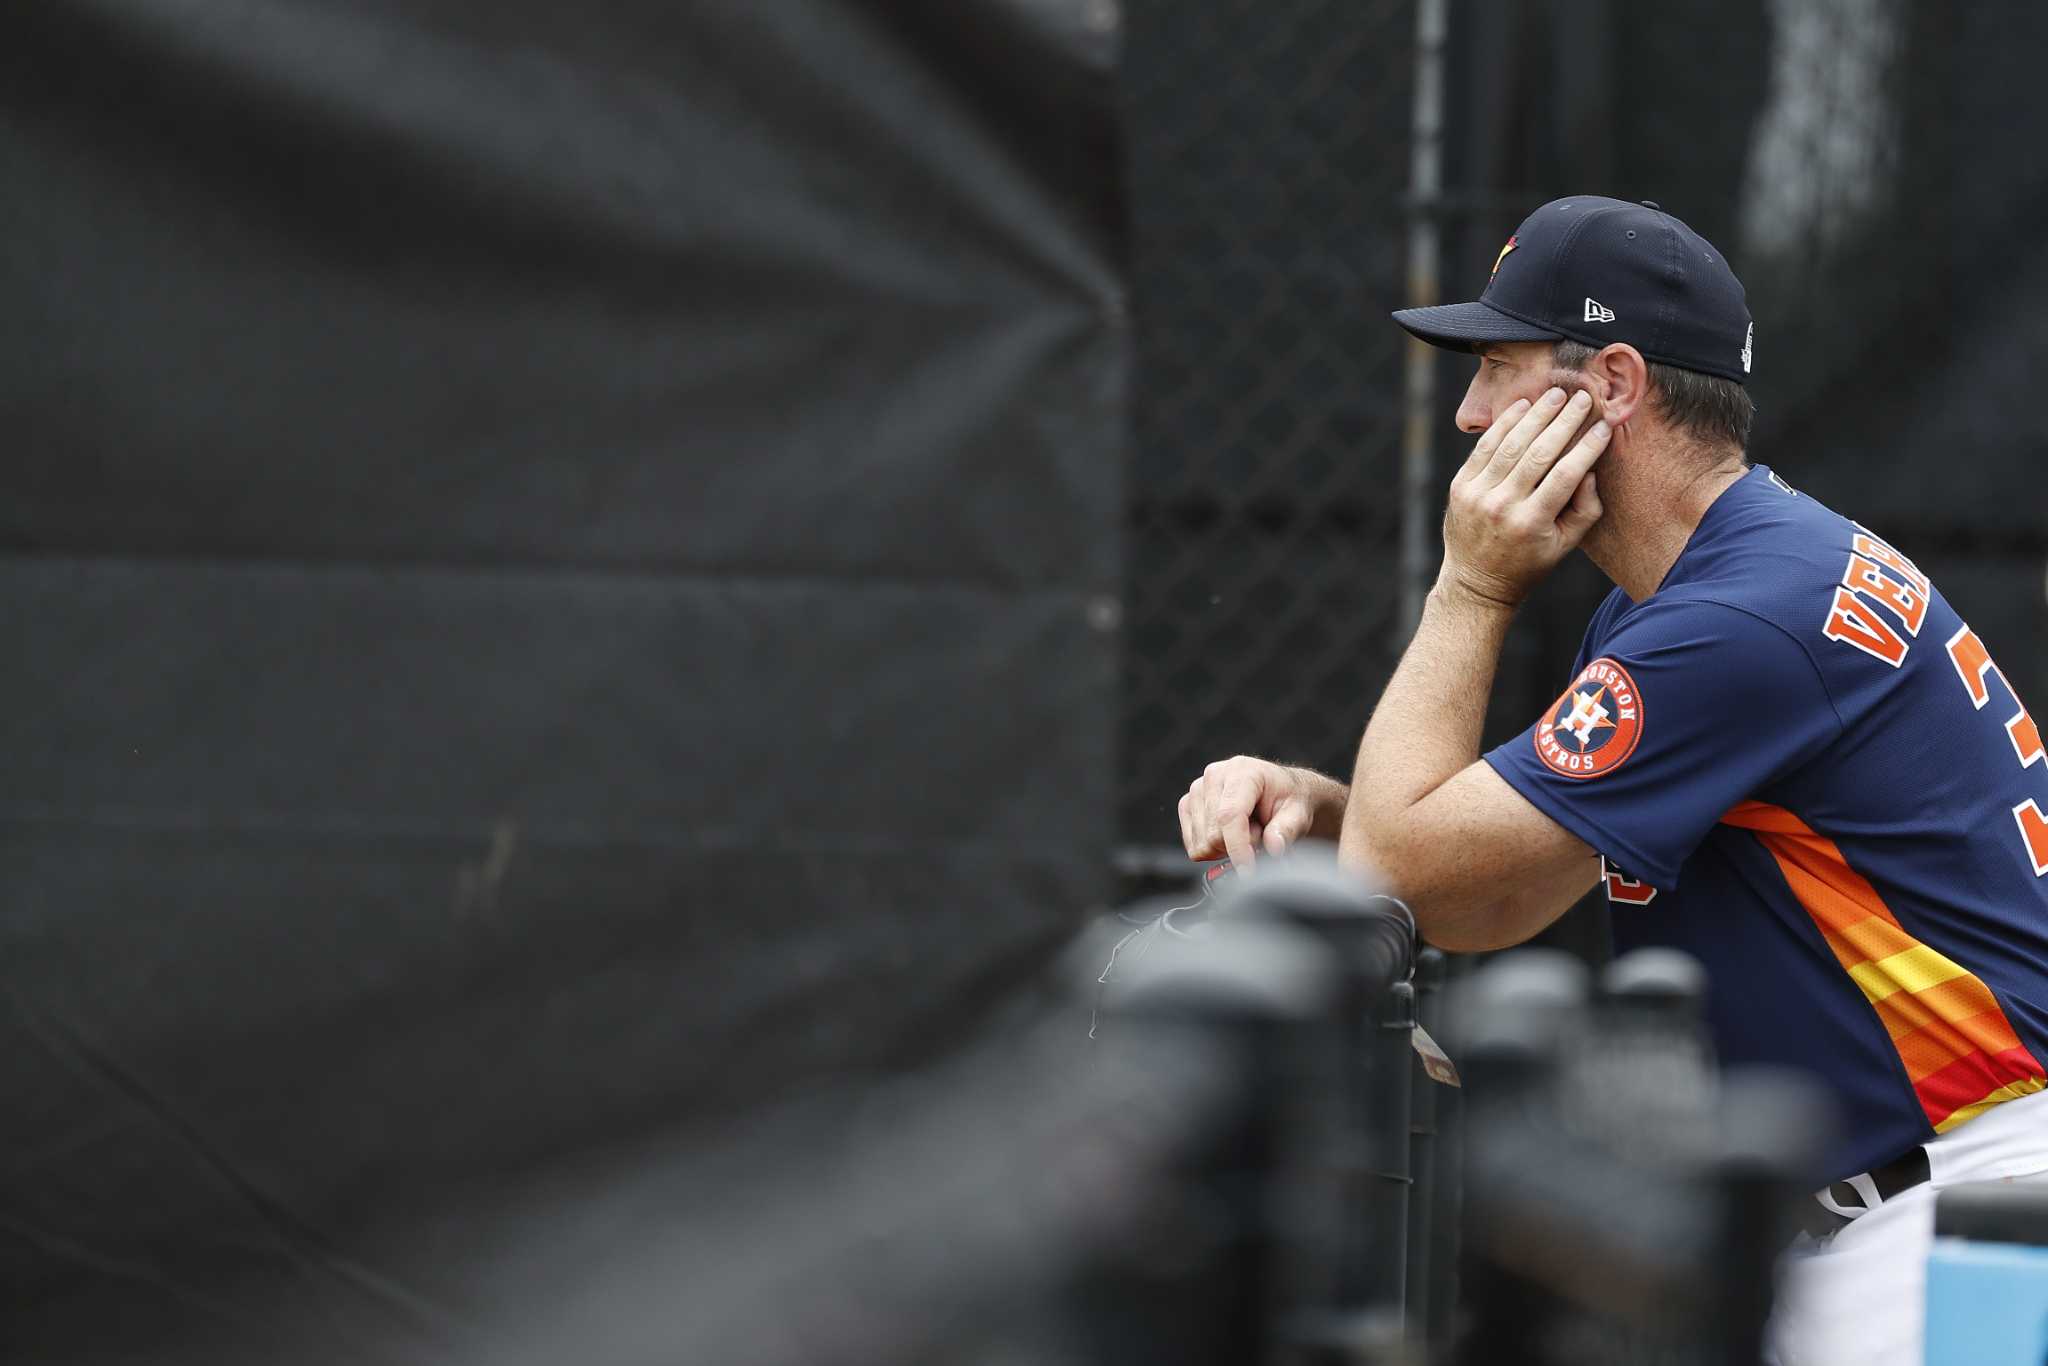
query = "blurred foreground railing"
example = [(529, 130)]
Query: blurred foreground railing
[(1243, 1165)]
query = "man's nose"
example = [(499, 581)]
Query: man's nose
[(1473, 415)]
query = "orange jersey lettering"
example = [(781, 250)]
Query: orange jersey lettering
[(1910, 603), (1854, 622)]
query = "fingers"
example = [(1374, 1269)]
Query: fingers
[(1507, 526), (1509, 451), (1541, 454), (1236, 806), (1215, 815), (1197, 829), (1561, 485), (1483, 448), (1289, 824), (1580, 513), (1231, 814)]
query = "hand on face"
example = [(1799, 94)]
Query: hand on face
[(1525, 497)]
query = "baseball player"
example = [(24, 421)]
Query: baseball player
[(1780, 750)]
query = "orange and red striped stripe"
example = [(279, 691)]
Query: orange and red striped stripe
[(1959, 1050)]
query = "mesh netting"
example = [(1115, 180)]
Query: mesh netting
[(1266, 167)]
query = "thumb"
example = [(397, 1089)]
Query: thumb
[(1581, 512), (1289, 824)]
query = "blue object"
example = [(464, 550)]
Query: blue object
[(1820, 789), (1987, 1304)]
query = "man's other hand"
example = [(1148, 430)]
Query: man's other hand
[(1239, 806), (1524, 499)]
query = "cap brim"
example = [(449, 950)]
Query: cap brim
[(1455, 327)]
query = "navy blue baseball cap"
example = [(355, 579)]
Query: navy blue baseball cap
[(1599, 271)]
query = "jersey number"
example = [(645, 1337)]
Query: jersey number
[(1974, 664)]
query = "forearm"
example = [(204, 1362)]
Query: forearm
[(1425, 818), (1526, 910), (1426, 727)]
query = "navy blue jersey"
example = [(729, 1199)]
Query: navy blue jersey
[(1801, 766)]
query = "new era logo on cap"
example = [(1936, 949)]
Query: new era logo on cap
[(1600, 271)]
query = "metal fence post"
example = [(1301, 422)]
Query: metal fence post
[(1425, 189), (1423, 1157)]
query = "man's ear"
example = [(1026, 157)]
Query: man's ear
[(1621, 377)]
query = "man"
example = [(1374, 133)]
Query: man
[(1781, 749)]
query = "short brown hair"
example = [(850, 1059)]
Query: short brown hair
[(1706, 407)]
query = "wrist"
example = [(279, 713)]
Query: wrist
[(1326, 800), (1455, 593)]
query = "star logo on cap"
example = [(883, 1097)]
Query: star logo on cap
[(1500, 258)]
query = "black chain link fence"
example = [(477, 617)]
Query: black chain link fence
[(1266, 170)]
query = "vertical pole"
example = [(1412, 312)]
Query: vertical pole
[(1390, 1072), (1446, 1197), (1422, 1145), (1425, 187)]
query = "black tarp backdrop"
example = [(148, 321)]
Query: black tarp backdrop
[(559, 580)]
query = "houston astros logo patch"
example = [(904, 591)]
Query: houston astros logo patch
[(1595, 725)]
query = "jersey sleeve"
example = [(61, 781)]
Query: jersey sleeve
[(1596, 627), (1683, 711)]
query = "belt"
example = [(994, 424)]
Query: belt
[(1836, 1206)]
